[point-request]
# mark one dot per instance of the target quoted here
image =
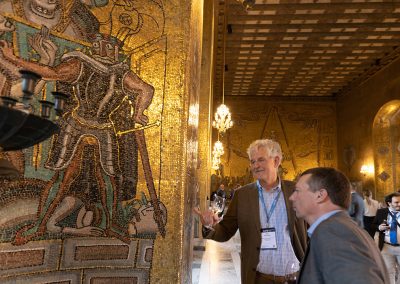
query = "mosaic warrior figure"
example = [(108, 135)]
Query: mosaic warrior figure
[(87, 155)]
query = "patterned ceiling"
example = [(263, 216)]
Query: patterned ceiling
[(303, 47)]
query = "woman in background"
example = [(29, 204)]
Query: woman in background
[(371, 206)]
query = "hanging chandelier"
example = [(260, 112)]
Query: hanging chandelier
[(217, 152), (222, 117), (216, 161), (218, 149)]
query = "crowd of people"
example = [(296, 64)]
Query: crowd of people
[(319, 224)]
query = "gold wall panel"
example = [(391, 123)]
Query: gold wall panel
[(306, 131)]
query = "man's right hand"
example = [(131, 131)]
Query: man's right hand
[(383, 227), (207, 218)]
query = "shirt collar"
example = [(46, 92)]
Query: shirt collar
[(312, 228), (276, 188)]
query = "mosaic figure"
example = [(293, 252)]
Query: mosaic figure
[(96, 171), (72, 18)]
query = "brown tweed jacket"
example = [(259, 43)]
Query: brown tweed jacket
[(243, 214)]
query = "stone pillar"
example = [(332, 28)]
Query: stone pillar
[(206, 102)]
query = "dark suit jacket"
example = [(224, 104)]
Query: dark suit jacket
[(381, 215), (341, 252), (244, 214)]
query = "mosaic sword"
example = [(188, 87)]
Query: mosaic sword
[(141, 141)]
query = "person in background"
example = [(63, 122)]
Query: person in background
[(356, 209), (371, 206), (386, 223), (339, 252), (221, 191), (271, 235)]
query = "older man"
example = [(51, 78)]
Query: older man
[(339, 251), (271, 235)]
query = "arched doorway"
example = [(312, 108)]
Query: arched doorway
[(386, 146)]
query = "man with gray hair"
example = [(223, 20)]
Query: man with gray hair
[(271, 235)]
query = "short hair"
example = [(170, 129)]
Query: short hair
[(388, 198), (273, 148), (333, 181)]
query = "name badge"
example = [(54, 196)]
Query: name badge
[(268, 238)]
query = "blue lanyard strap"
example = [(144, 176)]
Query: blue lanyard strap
[(273, 205)]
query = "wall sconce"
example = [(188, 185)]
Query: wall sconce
[(20, 129), (367, 170)]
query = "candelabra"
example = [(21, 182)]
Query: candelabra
[(21, 129)]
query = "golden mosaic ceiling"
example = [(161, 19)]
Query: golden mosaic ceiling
[(303, 47)]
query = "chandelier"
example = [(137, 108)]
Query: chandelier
[(218, 149), (216, 161), (217, 152), (222, 117), (19, 127)]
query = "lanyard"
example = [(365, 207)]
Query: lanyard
[(273, 205)]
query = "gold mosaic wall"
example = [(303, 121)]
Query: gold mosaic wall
[(109, 198), (306, 131)]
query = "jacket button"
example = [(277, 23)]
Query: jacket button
[(257, 248)]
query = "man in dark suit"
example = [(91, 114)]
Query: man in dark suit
[(386, 223), (339, 251), (271, 235)]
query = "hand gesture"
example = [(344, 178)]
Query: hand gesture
[(384, 226), (207, 218), (42, 44), (141, 119), (6, 50)]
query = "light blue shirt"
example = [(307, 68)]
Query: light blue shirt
[(275, 261), (314, 225)]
